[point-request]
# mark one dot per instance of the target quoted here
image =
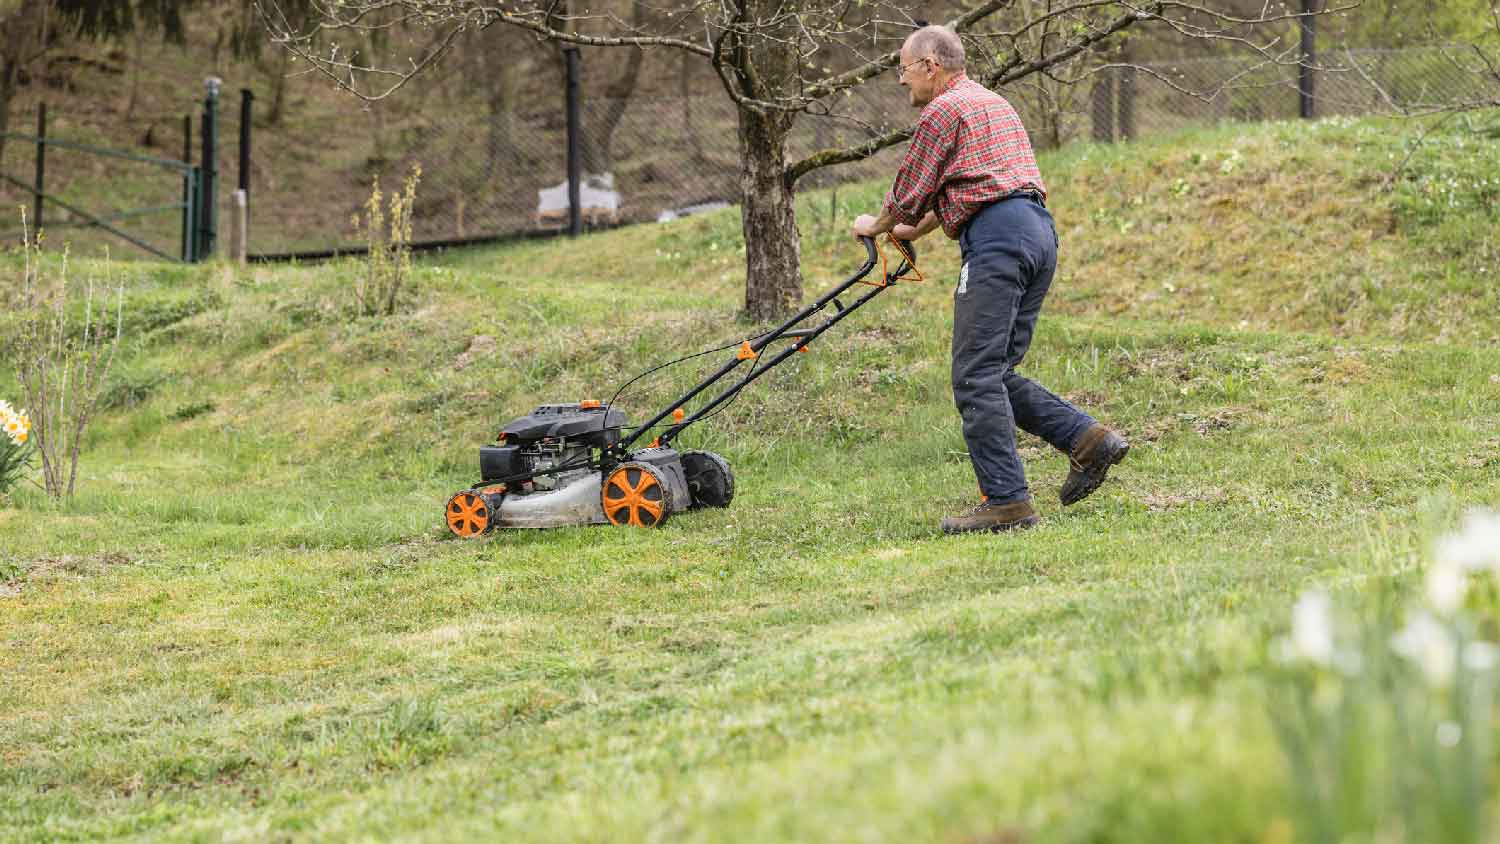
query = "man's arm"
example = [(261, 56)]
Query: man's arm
[(867, 225), (922, 229), (918, 179)]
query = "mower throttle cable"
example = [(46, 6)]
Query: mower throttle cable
[(659, 367), (907, 262)]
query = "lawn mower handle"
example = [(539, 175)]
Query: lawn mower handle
[(908, 254), (787, 330)]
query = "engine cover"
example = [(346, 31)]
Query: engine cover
[(597, 427)]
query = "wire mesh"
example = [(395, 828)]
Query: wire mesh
[(494, 168)]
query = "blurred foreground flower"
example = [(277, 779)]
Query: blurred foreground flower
[(1429, 645), (1473, 550), (1476, 546), (1395, 742), (1312, 628)]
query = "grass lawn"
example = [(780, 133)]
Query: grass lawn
[(251, 624)]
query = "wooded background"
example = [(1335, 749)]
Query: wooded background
[(487, 122)]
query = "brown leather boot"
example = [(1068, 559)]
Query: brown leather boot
[(1098, 449), (992, 517)]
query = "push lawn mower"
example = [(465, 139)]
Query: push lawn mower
[(574, 464)]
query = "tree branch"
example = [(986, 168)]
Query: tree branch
[(1013, 68)]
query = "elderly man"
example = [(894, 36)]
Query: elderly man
[(970, 169)]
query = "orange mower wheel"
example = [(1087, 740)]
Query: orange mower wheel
[(469, 515), (634, 494)]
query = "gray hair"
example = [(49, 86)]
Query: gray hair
[(941, 43)]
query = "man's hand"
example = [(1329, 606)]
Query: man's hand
[(905, 232), (867, 225)]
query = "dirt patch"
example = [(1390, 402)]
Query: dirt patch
[(1086, 398), (84, 564), (482, 345), (1487, 454), (1161, 501), (1158, 363), (1210, 422)]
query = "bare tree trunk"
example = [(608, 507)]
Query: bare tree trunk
[(1102, 106), (599, 128), (278, 86), (22, 39), (685, 91), (10, 72), (501, 142), (377, 159), (1126, 97), (137, 58), (773, 273)]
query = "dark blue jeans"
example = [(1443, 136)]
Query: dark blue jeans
[(1010, 255)]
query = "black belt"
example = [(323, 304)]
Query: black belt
[(1027, 193)]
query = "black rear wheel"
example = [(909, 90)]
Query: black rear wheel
[(709, 479)]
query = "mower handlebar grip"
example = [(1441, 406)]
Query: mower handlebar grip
[(870, 252)]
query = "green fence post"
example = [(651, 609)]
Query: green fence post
[(208, 176), (190, 216), (189, 230), (41, 171)]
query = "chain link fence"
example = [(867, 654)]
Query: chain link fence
[(1125, 102), (499, 173), (494, 170)]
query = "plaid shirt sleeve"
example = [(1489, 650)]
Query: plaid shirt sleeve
[(921, 175)]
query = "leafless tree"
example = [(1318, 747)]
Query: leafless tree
[(778, 60), (23, 40)]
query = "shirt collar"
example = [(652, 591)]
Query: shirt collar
[(954, 80)]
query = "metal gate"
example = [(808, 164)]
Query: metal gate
[(196, 207)]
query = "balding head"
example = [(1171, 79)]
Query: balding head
[(941, 43)]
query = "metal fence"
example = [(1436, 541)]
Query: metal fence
[(494, 173), (1125, 102)]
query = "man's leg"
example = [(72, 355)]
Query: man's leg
[(985, 305), (1036, 409), (1091, 447), (984, 313)]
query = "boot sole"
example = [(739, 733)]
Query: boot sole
[(1093, 481), (1029, 521)]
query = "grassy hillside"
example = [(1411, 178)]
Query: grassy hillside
[(250, 623)]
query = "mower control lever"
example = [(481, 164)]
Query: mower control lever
[(908, 258), (908, 255), (909, 251)]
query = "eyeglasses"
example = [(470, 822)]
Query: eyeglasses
[(902, 71)]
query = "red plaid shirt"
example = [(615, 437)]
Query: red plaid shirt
[(968, 150)]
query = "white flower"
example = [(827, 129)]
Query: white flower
[(1430, 645), (1446, 585), (1481, 656), (1312, 628), (1476, 546), (1449, 734)]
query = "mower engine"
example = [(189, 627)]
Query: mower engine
[(562, 465), (536, 451)]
